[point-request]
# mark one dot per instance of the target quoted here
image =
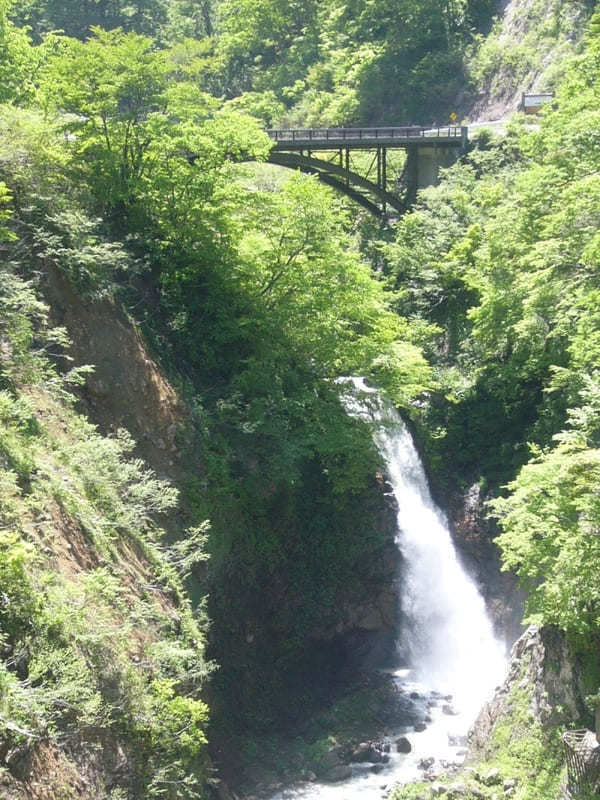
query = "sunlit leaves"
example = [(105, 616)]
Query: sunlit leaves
[(551, 523), (108, 92)]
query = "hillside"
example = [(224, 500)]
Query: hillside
[(526, 51), (198, 565)]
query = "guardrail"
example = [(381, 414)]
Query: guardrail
[(367, 134)]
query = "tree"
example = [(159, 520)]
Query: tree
[(551, 524), (110, 93), (77, 17), (19, 61)]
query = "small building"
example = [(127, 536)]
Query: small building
[(531, 103)]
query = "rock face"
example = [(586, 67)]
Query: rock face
[(366, 623), (500, 90), (473, 534), (542, 665)]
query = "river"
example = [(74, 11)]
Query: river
[(447, 637)]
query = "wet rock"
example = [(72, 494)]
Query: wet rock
[(340, 773), (420, 726), (457, 790), (447, 709), (426, 763), (221, 791), (456, 740), (332, 758), (403, 745), (361, 752), (435, 773), (368, 751), (492, 777), (377, 768), (541, 661), (415, 696)]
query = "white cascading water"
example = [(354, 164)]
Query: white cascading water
[(447, 638)]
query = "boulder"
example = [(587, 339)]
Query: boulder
[(458, 790), (340, 773), (362, 752), (426, 763), (403, 745), (331, 759), (368, 751), (420, 726), (492, 777)]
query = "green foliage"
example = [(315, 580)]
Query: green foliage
[(260, 299), (17, 58), (19, 602), (110, 92), (264, 106), (538, 38), (73, 633), (168, 20), (343, 63), (550, 521), (5, 213), (75, 244), (77, 18)]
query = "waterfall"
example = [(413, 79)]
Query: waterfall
[(447, 636), (447, 639)]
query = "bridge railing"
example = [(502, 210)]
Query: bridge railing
[(368, 134)]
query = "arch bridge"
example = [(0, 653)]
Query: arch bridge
[(331, 154)]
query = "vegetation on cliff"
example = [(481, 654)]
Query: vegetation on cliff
[(124, 177), (502, 257), (99, 644), (124, 152)]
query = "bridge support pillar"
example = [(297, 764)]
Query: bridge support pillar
[(423, 167)]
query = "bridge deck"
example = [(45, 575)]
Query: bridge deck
[(367, 138)]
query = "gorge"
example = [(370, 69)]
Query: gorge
[(451, 660), (215, 581)]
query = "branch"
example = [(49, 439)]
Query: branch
[(16, 729)]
